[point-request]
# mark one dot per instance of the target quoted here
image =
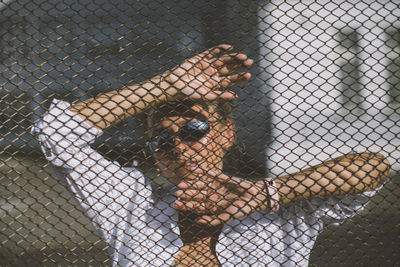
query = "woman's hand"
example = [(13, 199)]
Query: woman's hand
[(202, 76), (222, 199)]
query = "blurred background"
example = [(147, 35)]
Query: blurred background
[(326, 81)]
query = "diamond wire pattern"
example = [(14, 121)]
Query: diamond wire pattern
[(325, 83)]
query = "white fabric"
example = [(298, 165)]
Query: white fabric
[(140, 224)]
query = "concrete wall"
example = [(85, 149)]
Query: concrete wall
[(332, 65)]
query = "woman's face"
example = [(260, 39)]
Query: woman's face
[(190, 146)]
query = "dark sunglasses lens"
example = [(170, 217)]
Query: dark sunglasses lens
[(189, 133), (194, 131)]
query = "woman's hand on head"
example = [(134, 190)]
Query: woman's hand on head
[(220, 199), (204, 75)]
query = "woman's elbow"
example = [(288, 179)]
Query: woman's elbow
[(383, 167), (377, 167)]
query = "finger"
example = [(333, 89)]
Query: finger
[(209, 53), (190, 194), (220, 95), (234, 183), (214, 220), (232, 62), (192, 206), (233, 67), (234, 79), (223, 179), (201, 206), (190, 177), (238, 209), (192, 174), (197, 185), (183, 185)]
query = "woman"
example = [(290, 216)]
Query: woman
[(206, 218)]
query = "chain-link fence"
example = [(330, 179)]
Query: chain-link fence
[(75, 191)]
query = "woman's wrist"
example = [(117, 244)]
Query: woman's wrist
[(150, 92), (272, 195)]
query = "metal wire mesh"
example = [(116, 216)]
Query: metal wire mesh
[(325, 83)]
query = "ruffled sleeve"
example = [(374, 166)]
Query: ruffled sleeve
[(106, 191)]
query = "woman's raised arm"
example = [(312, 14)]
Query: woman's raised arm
[(228, 198), (200, 77), (349, 174)]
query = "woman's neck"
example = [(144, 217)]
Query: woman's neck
[(198, 242)]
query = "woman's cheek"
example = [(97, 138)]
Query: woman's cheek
[(212, 155)]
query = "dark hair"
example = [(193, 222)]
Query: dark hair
[(223, 109)]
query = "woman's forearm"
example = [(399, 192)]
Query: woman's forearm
[(199, 78), (112, 107), (350, 174)]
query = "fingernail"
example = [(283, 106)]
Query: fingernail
[(182, 185), (201, 221), (178, 204)]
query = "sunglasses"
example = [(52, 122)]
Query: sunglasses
[(191, 132)]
